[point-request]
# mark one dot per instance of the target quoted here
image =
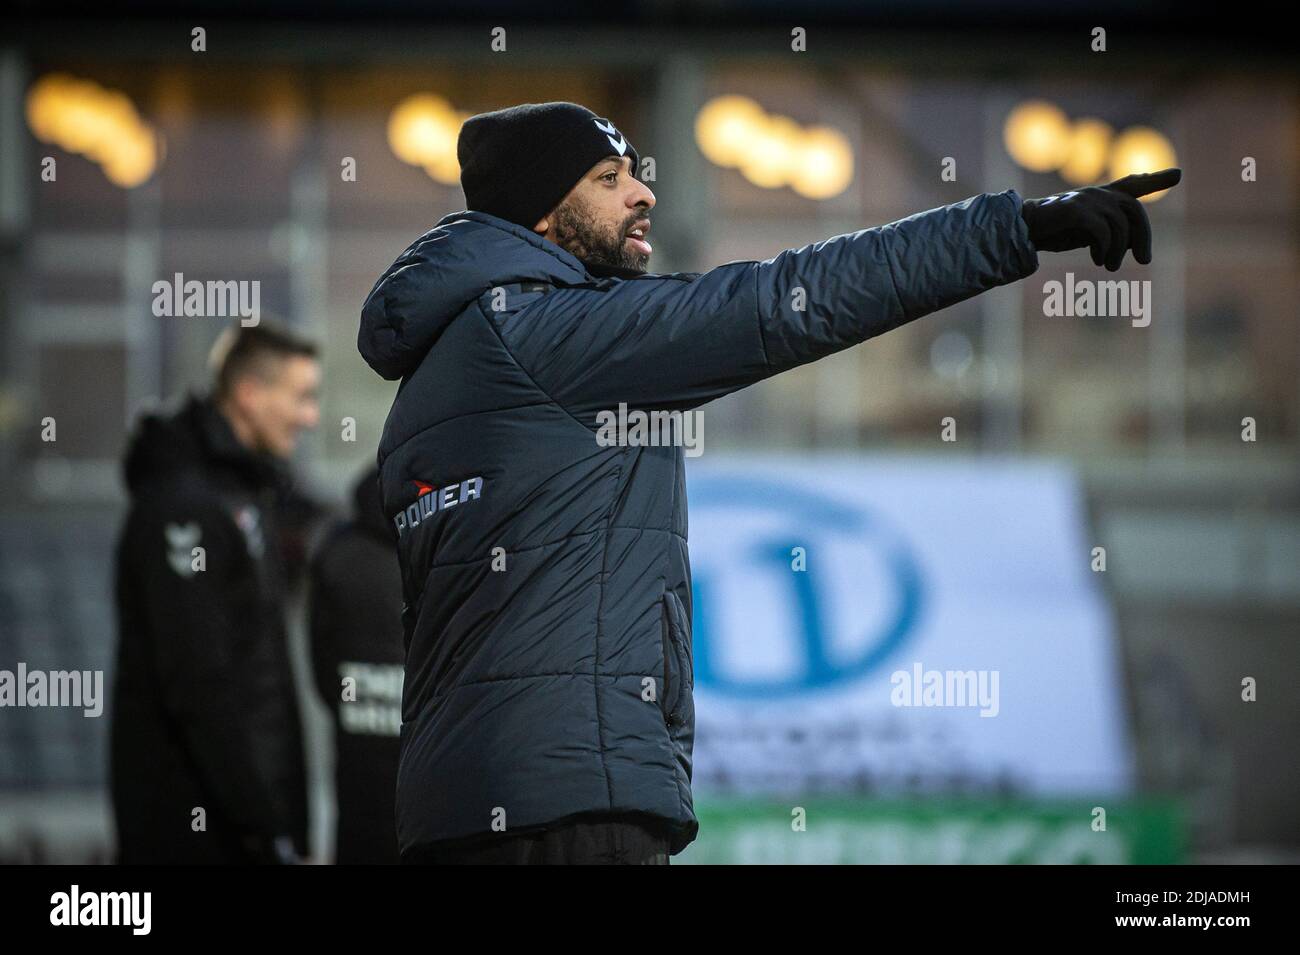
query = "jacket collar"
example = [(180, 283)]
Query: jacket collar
[(601, 270), (223, 447), (565, 257), (594, 269)]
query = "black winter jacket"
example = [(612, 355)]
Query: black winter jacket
[(546, 577), (204, 711)]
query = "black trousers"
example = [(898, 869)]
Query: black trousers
[(589, 840)]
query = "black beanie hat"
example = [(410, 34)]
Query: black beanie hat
[(518, 163)]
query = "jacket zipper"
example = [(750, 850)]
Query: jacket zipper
[(667, 647)]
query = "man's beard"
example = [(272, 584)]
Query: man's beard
[(575, 231)]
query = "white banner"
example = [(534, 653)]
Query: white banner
[(900, 625)]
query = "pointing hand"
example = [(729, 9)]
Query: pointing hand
[(1108, 219)]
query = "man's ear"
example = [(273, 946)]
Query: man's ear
[(243, 392)]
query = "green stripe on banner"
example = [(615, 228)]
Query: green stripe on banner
[(1136, 831)]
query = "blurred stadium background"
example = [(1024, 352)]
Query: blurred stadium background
[(1073, 433)]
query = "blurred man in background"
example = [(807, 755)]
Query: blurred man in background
[(207, 760), (357, 653)]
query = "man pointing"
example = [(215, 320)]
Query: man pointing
[(547, 711)]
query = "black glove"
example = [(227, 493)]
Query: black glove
[(1107, 219)]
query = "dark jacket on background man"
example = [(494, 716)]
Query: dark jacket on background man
[(204, 712), (356, 635), (526, 698)]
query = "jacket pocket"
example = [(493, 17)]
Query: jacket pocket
[(665, 688), (677, 663)]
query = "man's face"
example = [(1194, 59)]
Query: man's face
[(282, 404), (605, 217)]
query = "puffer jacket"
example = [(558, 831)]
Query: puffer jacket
[(545, 574)]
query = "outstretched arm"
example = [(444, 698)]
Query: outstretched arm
[(676, 342)]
